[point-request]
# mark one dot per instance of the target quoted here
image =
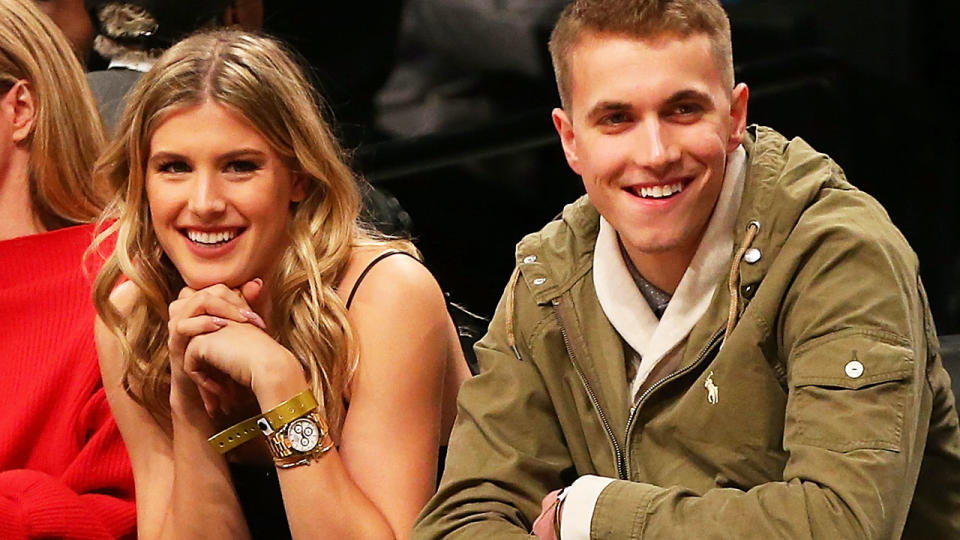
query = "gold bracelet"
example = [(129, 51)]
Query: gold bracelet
[(272, 420), (295, 445), (300, 442)]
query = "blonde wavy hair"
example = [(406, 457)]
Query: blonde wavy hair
[(256, 78), (67, 133)]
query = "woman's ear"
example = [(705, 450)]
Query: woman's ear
[(298, 191), (21, 108)]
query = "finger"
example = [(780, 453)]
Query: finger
[(548, 500), (251, 290), (213, 393), (543, 526), (180, 331), (210, 402), (205, 303), (230, 295), (185, 293)]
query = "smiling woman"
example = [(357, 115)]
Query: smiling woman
[(219, 196), (238, 244)]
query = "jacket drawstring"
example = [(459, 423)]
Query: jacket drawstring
[(511, 289), (734, 283)]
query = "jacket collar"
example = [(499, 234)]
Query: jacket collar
[(626, 308), (783, 177)]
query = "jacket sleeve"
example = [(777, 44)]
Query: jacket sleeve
[(506, 450), (851, 333), (93, 498)]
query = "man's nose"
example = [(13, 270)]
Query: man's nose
[(656, 149), (206, 199)]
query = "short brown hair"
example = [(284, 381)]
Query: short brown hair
[(639, 19)]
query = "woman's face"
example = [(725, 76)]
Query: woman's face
[(219, 196)]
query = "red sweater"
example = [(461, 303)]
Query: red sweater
[(64, 471)]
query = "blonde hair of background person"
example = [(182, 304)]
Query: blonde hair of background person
[(378, 372), (66, 135)]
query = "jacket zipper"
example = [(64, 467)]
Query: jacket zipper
[(617, 452), (636, 407)]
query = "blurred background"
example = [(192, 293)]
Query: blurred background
[(445, 108)]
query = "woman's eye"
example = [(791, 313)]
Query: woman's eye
[(242, 166), (173, 167)]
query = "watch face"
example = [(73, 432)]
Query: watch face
[(304, 435)]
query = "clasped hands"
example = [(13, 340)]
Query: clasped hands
[(219, 345)]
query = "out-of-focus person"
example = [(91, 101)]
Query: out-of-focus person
[(64, 471), (74, 21), (132, 34)]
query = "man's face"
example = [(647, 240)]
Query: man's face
[(650, 126)]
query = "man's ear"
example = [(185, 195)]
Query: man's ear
[(564, 127), (738, 115), (22, 108)]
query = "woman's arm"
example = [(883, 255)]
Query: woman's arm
[(384, 470), (387, 460), (169, 474)]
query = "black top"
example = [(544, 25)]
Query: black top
[(258, 490), (257, 486)]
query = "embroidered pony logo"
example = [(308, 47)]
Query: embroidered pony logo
[(713, 393)]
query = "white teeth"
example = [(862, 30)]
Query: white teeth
[(201, 237), (657, 192)]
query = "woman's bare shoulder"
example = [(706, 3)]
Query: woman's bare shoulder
[(124, 297), (395, 276)]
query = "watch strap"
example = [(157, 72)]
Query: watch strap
[(266, 423)]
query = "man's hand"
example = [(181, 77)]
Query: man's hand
[(543, 527)]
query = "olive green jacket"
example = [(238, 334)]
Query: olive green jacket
[(798, 445)]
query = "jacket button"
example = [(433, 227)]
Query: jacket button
[(853, 369), (752, 255), (530, 259), (539, 281), (747, 291)]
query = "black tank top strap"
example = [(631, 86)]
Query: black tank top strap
[(378, 258)]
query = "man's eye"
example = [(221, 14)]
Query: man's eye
[(173, 167), (615, 118), (242, 166), (687, 109)]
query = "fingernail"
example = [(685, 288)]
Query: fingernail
[(258, 281), (254, 318), (219, 322)]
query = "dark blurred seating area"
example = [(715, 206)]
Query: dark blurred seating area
[(445, 107), (866, 83)]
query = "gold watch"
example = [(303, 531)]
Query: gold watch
[(297, 442)]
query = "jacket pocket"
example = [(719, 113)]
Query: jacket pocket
[(849, 390)]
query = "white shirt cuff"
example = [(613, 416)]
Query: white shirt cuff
[(577, 511)]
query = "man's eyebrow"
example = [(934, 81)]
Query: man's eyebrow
[(607, 106), (689, 94)]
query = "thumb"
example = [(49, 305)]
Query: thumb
[(251, 290)]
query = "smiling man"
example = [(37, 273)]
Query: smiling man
[(724, 338)]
